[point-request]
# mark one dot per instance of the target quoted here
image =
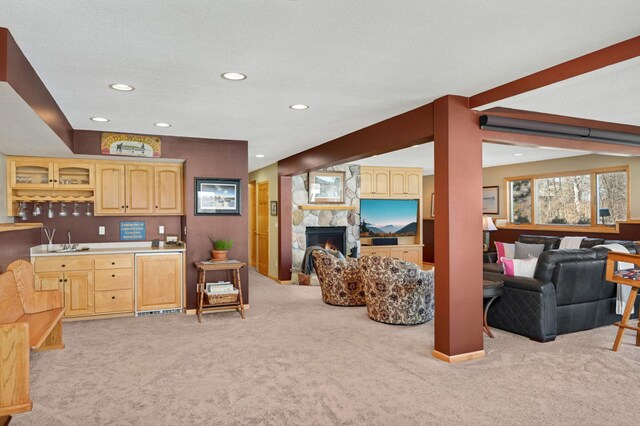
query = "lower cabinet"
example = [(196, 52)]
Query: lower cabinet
[(78, 293), (407, 253), (159, 279)]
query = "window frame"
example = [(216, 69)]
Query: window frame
[(593, 192)]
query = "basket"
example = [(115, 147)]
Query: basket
[(222, 298)]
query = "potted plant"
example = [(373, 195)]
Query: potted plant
[(220, 248)]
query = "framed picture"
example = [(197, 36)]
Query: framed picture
[(490, 199), (326, 187), (274, 208), (433, 204), (217, 196)]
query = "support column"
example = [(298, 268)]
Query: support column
[(284, 228), (458, 231)]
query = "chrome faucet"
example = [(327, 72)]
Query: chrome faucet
[(68, 246)]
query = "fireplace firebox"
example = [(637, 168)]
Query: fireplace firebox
[(329, 237)]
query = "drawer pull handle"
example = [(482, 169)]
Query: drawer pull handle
[(60, 280), (113, 297), (65, 280), (113, 263), (113, 275), (63, 265)]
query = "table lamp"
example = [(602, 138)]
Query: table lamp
[(487, 226), (603, 213)]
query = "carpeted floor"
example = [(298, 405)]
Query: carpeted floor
[(297, 361)]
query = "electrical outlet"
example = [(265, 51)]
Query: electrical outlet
[(160, 229), (101, 230)]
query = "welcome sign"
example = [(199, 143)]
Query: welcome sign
[(130, 145)]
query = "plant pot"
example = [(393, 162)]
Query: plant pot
[(219, 254)]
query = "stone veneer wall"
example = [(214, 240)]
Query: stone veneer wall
[(303, 218)]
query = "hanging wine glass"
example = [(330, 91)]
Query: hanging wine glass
[(22, 210), (36, 209), (75, 212), (50, 213), (63, 210), (89, 209)]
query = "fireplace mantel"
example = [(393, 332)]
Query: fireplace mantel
[(340, 207)]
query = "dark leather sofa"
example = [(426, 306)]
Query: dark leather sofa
[(568, 292)]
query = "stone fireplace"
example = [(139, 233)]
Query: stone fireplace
[(329, 237)]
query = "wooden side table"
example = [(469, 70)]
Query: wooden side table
[(631, 278), (233, 266)]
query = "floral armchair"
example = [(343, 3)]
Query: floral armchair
[(396, 292), (340, 280)]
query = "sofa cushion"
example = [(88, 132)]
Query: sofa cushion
[(549, 242), (519, 267), (548, 260), (590, 242), (528, 251), (505, 250)]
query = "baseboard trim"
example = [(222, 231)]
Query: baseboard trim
[(452, 359), (231, 309)]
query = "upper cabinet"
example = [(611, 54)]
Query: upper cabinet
[(390, 182), (50, 173), (138, 189)]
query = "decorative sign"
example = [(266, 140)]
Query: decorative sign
[(130, 145), (133, 231)]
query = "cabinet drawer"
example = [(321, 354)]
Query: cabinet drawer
[(113, 279), (114, 301), (114, 262), (64, 263)]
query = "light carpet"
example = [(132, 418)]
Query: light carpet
[(297, 361)]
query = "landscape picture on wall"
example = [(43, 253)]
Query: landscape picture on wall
[(388, 218)]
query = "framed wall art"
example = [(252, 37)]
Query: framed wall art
[(490, 200), (274, 208), (326, 187), (217, 196)]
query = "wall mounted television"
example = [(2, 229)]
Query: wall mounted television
[(388, 218)]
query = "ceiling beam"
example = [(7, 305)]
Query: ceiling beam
[(16, 70), (613, 54)]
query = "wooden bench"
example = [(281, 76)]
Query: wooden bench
[(29, 319)]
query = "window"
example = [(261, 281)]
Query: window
[(594, 197)]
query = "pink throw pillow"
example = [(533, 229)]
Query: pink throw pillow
[(519, 267), (505, 250)]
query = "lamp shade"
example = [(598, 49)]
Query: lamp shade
[(487, 224), (604, 212)]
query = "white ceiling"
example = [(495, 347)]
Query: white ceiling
[(492, 155), (354, 62)]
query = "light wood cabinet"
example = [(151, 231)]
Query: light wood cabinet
[(406, 183), (110, 187), (390, 182), (374, 251), (374, 182), (411, 254), (159, 281), (78, 293), (45, 281), (139, 189), (168, 190)]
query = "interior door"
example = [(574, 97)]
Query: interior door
[(253, 233), (263, 228)]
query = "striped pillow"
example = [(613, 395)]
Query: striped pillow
[(519, 267), (505, 250)]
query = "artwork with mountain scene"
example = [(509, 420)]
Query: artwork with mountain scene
[(388, 218)]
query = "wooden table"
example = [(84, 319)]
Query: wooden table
[(233, 266), (633, 281)]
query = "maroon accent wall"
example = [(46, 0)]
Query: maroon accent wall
[(284, 227), (628, 231), (15, 245), (203, 158), (428, 240), (458, 183), (16, 70)]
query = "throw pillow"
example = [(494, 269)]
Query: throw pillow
[(528, 251), (519, 267), (505, 250)]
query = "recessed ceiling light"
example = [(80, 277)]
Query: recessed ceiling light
[(259, 155), (122, 87), (236, 76), (299, 106), (518, 155), (162, 124), (100, 119)]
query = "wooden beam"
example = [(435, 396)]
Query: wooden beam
[(610, 55)]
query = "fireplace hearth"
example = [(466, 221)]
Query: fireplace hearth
[(329, 237)]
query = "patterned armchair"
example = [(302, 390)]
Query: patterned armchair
[(340, 280), (397, 292)]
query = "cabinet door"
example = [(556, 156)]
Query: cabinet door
[(168, 189), (159, 281), (110, 183), (381, 183), (412, 184), (366, 183), (414, 255), (397, 252), (78, 293), (73, 175), (31, 174), (374, 251), (48, 281), (139, 189), (397, 179)]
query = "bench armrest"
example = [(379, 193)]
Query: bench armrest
[(14, 386), (40, 301)]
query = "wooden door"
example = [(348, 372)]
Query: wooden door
[(159, 281), (110, 184), (413, 183), (263, 228), (253, 234), (381, 183), (139, 189), (45, 281), (397, 179), (366, 182), (78, 293), (168, 189)]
